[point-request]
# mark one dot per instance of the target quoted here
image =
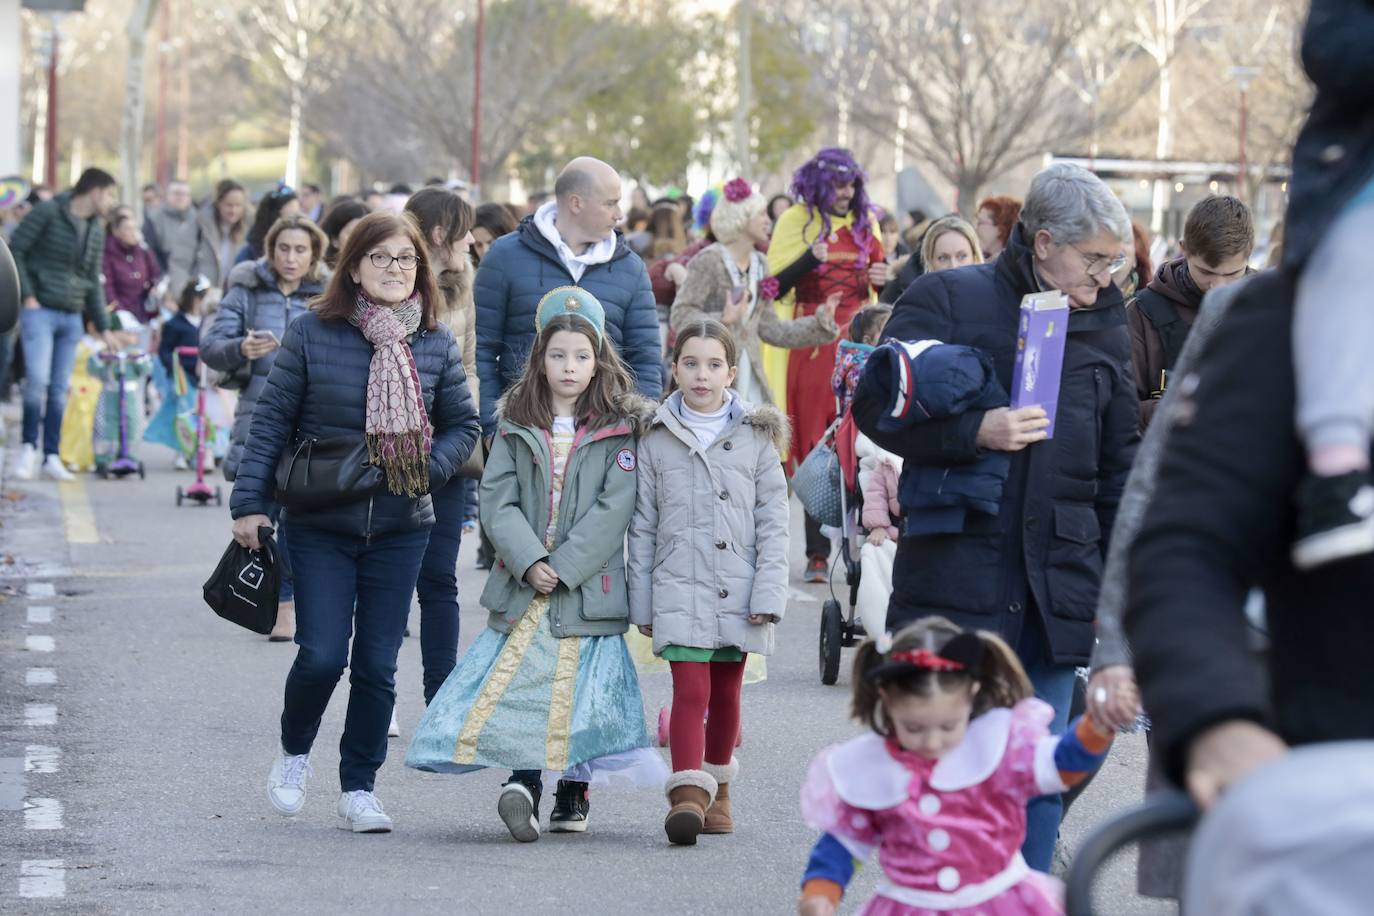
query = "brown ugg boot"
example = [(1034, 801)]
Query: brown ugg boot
[(719, 818), (690, 792), (285, 629)]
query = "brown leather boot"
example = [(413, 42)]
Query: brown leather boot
[(285, 630), (690, 792), (719, 818)]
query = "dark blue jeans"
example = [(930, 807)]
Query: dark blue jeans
[(50, 337), (346, 583), (1053, 684), (438, 586)]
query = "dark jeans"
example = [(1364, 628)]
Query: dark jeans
[(1053, 683), (346, 583), (438, 586), (817, 544), (50, 337)]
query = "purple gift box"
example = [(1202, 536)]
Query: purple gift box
[(1040, 352)]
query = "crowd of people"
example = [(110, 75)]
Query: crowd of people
[(616, 397)]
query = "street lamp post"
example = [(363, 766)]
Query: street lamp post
[(50, 138), (1243, 76), (476, 170)]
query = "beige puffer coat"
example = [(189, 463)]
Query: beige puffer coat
[(708, 542), (460, 314)]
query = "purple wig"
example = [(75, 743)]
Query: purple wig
[(814, 185)]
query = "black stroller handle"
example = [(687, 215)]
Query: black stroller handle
[(1161, 813)]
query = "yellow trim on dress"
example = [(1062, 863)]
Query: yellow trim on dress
[(561, 706), (512, 656)]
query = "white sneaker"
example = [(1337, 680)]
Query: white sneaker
[(286, 783), (179, 464), (54, 469), (26, 463), (362, 813), (394, 729)]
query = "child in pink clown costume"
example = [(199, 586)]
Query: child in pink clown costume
[(938, 786)]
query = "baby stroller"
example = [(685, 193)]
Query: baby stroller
[(1294, 836), (827, 484), (199, 491), (119, 418)]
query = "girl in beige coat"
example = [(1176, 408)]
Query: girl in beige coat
[(707, 563)]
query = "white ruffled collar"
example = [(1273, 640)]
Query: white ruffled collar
[(866, 775)]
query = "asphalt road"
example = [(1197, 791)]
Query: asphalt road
[(137, 729)]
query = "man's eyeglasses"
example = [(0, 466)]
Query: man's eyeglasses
[(1096, 263), (382, 261)]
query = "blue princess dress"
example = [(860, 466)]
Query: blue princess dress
[(527, 700)]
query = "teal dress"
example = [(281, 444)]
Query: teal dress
[(527, 700)]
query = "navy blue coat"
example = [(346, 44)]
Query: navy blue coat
[(518, 270), (318, 389), (1334, 155), (1044, 550)]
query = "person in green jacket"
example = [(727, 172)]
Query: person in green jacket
[(550, 685), (57, 250)]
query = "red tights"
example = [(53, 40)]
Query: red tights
[(699, 689)]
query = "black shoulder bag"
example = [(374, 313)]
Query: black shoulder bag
[(320, 473)]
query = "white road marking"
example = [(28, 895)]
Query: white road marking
[(42, 878), (41, 590), (40, 714), (40, 643), (800, 597), (40, 677), (42, 814), (41, 758), (39, 614)]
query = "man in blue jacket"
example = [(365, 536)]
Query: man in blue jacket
[(569, 241)]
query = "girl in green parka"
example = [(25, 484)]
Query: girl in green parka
[(550, 684)]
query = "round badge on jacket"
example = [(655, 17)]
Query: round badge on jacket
[(626, 459)]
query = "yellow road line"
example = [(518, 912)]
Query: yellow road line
[(77, 514)]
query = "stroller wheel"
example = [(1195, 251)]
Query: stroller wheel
[(141, 473), (832, 640), (180, 496), (219, 500), (103, 472)]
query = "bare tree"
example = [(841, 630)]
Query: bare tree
[(544, 60), (131, 133), (282, 37), (981, 84)]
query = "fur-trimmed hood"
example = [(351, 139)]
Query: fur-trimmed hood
[(631, 407), (765, 418)]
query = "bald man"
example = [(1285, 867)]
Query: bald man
[(568, 241)]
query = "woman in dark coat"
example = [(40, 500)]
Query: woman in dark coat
[(130, 268), (1030, 573), (370, 362)]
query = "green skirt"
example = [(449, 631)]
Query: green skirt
[(689, 654)]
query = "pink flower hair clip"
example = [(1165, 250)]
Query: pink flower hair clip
[(737, 189), (768, 288)]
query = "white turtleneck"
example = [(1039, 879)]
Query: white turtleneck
[(707, 427)]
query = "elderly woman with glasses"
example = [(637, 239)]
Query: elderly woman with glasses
[(1031, 571)]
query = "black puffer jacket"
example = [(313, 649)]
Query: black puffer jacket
[(1047, 544), (1221, 521), (318, 388), (1334, 156)]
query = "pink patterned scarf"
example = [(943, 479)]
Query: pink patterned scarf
[(399, 434)]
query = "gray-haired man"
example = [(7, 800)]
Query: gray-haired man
[(1032, 571)]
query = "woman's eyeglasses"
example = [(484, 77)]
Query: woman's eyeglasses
[(382, 261)]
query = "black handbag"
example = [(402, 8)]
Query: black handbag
[(246, 584), (320, 473)]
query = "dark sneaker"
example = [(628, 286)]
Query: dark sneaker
[(518, 807), (571, 808), (1335, 519), (815, 570)]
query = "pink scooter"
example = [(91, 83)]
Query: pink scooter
[(199, 491)]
